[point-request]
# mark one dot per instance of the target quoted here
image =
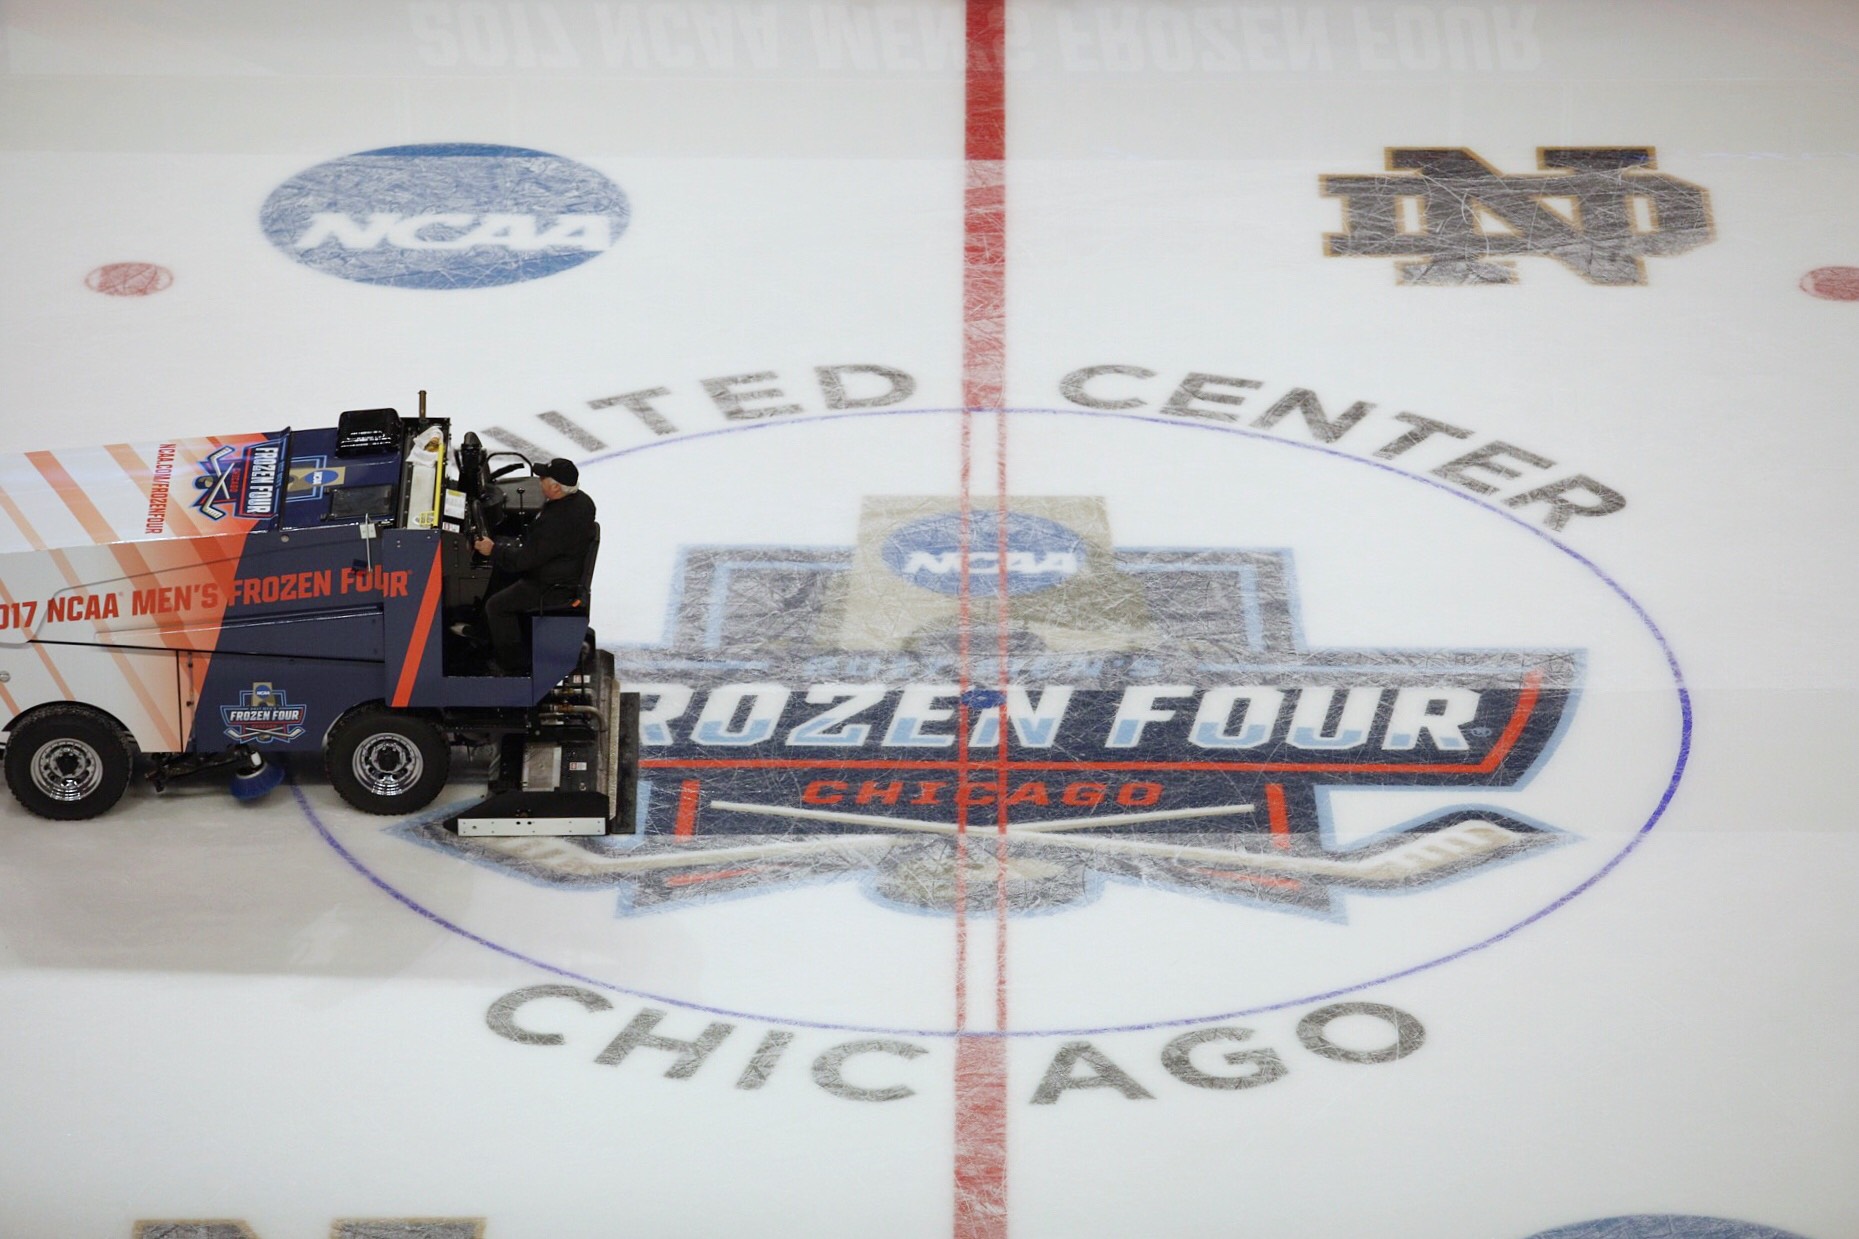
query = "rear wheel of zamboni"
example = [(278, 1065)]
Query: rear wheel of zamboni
[(68, 763), (387, 763)]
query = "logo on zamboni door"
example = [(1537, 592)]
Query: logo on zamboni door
[(445, 215), (819, 713), (264, 715)]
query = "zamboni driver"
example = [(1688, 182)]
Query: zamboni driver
[(550, 552)]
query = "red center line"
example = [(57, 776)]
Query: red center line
[(981, 1060), (964, 618), (1003, 719)]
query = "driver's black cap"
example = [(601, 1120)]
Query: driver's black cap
[(562, 470)]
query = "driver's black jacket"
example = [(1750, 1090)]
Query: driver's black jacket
[(552, 549)]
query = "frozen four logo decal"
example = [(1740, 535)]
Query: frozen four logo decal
[(241, 482), (1164, 723), (445, 215), (264, 715)]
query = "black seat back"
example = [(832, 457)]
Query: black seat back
[(572, 598)]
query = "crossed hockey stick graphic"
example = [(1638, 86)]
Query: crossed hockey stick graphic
[(1448, 847)]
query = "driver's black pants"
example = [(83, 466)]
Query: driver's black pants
[(501, 612)]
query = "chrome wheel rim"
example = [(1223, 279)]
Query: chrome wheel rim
[(387, 764), (66, 770)]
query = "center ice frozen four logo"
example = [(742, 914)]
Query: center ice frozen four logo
[(445, 215), (811, 718)]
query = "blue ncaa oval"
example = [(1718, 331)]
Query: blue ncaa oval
[(445, 215), (1041, 553)]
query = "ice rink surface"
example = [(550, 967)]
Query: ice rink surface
[(1295, 356)]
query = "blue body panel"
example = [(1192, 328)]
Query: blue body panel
[(324, 620)]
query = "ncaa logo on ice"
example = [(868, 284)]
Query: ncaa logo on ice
[(445, 215), (1034, 553)]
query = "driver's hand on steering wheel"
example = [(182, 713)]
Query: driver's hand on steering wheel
[(483, 545)]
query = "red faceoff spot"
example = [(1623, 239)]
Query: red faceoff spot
[(1832, 283), (129, 279)]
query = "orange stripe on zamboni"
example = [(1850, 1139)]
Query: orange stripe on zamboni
[(51, 668), (422, 630), (178, 631), (175, 520), (18, 517), (12, 706), (167, 722), (164, 723), (74, 496), (159, 719)]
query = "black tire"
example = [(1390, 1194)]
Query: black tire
[(385, 762), (68, 762)]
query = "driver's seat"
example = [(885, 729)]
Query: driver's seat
[(572, 598)]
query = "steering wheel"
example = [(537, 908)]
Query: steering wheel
[(484, 503), (491, 498)]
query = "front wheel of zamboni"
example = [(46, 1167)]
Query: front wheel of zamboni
[(68, 763), (386, 763)]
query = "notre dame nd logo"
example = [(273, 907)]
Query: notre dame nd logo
[(1454, 219), (811, 718)]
